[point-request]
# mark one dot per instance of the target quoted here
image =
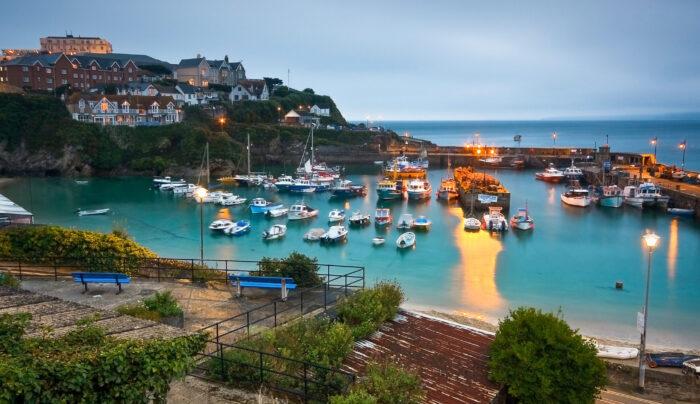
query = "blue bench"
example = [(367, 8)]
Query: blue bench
[(264, 282), (100, 277)]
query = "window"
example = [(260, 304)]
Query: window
[(75, 66), (104, 107), (75, 75), (25, 68), (49, 80), (76, 84), (170, 107), (131, 79), (115, 78), (49, 89), (81, 75), (107, 77), (63, 71), (48, 70), (130, 70), (125, 107), (64, 81), (99, 76), (93, 67), (190, 82), (81, 103), (154, 108), (25, 79), (38, 68)]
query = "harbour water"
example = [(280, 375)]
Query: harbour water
[(623, 136), (571, 260)]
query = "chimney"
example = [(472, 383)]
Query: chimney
[(226, 58), (199, 56)]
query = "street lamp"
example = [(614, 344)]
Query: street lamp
[(201, 193), (654, 141), (650, 239), (554, 139), (682, 147), (477, 137), (279, 114), (222, 121)]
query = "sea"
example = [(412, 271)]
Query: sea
[(569, 264)]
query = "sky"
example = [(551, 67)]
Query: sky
[(416, 60)]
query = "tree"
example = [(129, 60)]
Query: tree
[(309, 91), (542, 360), (271, 82), (282, 91)]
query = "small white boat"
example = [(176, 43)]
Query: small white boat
[(81, 182), (378, 241), (215, 197), (421, 223), (184, 189), (494, 220), (378, 162), (614, 352), (679, 175), (314, 234), (300, 211), (239, 228), (572, 172), (405, 221), (472, 223), (406, 240), (221, 224), (81, 212), (382, 217), (274, 232), (231, 200), (335, 234), (358, 218), (576, 197), (276, 212), (522, 221), (336, 215)]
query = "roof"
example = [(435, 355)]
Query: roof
[(254, 86), (235, 65), (136, 101), (216, 63), (73, 37), (186, 88), (135, 57), (184, 63), (450, 358), (322, 106), (166, 89), (46, 59), (7, 207), (104, 61)]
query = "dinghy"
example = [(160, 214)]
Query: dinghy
[(81, 212), (275, 232), (238, 229), (406, 240), (378, 241), (314, 234)]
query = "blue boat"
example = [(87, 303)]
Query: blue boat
[(260, 205), (610, 196), (241, 227), (390, 189)]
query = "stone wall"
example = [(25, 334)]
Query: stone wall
[(668, 384)]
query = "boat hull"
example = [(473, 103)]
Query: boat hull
[(419, 194), (610, 201), (389, 194), (576, 201), (447, 195), (263, 209), (548, 178)]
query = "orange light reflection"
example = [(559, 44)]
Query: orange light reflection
[(476, 271), (550, 199), (672, 249), (224, 214)]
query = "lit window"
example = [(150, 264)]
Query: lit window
[(94, 67), (104, 107), (190, 82), (131, 79), (48, 70), (116, 78)]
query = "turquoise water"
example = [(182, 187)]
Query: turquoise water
[(570, 261), (622, 136)]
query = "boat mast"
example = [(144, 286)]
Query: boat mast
[(312, 147), (248, 148), (207, 152)]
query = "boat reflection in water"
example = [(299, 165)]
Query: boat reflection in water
[(475, 275)]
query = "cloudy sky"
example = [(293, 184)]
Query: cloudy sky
[(416, 60)]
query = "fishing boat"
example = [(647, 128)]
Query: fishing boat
[(314, 234), (344, 189), (358, 219), (336, 215), (419, 189), (610, 196), (405, 221), (522, 220), (231, 200), (378, 241), (576, 196), (550, 174), (649, 193), (172, 184), (630, 197), (572, 172), (302, 185), (275, 232), (240, 228), (421, 223), (251, 179), (221, 224), (680, 212), (260, 205), (300, 211), (406, 240), (92, 212), (493, 161), (215, 197), (401, 167), (284, 182), (335, 234), (448, 189), (382, 217), (494, 220), (276, 212), (472, 223), (390, 189), (184, 189)]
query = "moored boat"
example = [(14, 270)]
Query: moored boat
[(610, 196), (336, 215), (550, 174), (572, 172), (92, 212), (240, 228), (260, 205), (335, 234), (283, 182), (382, 217), (314, 234), (231, 200), (650, 194), (680, 212), (300, 211), (276, 212), (405, 221), (421, 223), (221, 224), (419, 189), (390, 189), (522, 220), (494, 220), (378, 241), (357, 218), (471, 223), (448, 189), (344, 189), (275, 232), (576, 197), (406, 240)]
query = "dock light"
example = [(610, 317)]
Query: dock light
[(491, 151), (478, 151), (682, 147), (654, 141), (650, 239), (201, 193), (554, 138)]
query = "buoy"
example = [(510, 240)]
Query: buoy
[(618, 285)]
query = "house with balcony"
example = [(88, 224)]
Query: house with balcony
[(254, 90), (124, 110), (321, 110)]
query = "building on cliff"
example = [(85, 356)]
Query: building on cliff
[(255, 90), (71, 45), (124, 110)]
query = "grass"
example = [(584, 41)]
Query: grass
[(154, 308)]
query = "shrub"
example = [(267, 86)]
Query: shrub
[(6, 279), (542, 360), (300, 267), (367, 309), (153, 308), (385, 383)]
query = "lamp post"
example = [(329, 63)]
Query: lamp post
[(554, 139), (222, 120), (654, 141), (201, 193), (477, 137), (682, 147), (650, 240), (279, 114)]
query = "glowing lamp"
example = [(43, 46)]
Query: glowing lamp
[(479, 151), (201, 193), (222, 120), (651, 239), (491, 151)]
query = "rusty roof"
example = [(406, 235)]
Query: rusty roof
[(62, 317), (450, 358)]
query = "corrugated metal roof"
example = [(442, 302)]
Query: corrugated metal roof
[(450, 358), (7, 207)]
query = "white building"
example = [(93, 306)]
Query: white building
[(255, 90), (321, 110)]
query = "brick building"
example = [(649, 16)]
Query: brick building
[(46, 72), (124, 110), (72, 45)]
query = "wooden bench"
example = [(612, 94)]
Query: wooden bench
[(100, 277), (264, 282)]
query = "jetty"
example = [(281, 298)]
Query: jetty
[(480, 190)]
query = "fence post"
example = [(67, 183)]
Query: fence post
[(19, 264), (158, 268), (325, 299), (247, 322), (328, 274), (221, 357), (55, 270), (261, 368), (363, 277), (301, 296), (346, 284), (275, 307), (217, 335), (192, 268)]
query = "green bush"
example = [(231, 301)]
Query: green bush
[(153, 308), (542, 360), (301, 268), (384, 384), (94, 252), (87, 366), (367, 309), (7, 279)]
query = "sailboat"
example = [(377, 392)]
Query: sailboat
[(448, 186), (471, 222), (252, 178), (319, 173)]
